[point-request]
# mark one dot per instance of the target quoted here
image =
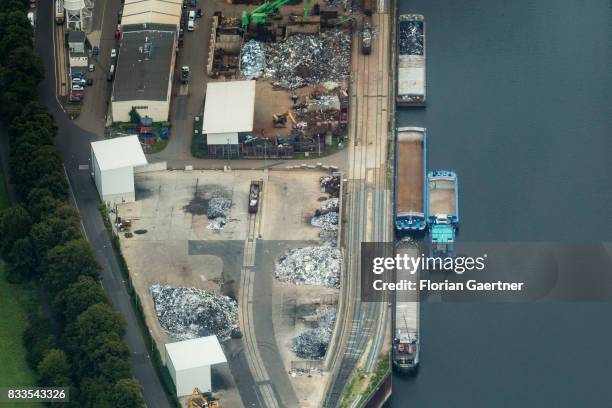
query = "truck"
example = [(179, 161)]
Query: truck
[(366, 36), (59, 12), (411, 57), (443, 210), (406, 309), (254, 193), (409, 176), (184, 75)]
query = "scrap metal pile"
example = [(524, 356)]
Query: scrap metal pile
[(313, 265), (312, 344), (299, 60), (217, 208), (330, 185), (188, 313), (327, 216), (411, 38)]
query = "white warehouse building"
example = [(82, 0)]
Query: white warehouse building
[(189, 363), (113, 163), (144, 72), (152, 11), (229, 112)]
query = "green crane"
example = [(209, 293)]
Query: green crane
[(260, 14)]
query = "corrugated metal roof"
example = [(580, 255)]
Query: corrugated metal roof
[(118, 153), (230, 107), (152, 11)]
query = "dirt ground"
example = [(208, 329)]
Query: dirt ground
[(172, 245)]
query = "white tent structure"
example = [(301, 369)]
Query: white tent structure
[(189, 363), (113, 163)]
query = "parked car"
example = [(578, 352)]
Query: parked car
[(77, 87), (89, 81), (32, 4), (193, 3), (191, 15), (95, 50), (77, 80), (78, 74), (190, 26), (91, 68), (199, 13), (113, 53)]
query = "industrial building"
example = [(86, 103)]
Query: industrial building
[(189, 363), (144, 71), (113, 163), (152, 12), (228, 113), (76, 46)]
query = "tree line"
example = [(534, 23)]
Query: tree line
[(80, 344)]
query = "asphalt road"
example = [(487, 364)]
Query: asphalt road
[(73, 143)]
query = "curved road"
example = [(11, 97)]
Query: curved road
[(73, 143)]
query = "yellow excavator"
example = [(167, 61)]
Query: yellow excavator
[(199, 400)]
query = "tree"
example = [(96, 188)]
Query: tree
[(15, 223), (54, 369), (21, 261), (110, 360), (41, 203), (37, 338), (77, 297), (125, 393), (61, 226), (66, 262), (96, 320), (134, 116)]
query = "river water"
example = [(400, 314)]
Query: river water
[(520, 105)]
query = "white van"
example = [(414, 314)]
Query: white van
[(191, 15), (31, 18), (190, 25)]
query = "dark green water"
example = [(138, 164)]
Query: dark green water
[(520, 106)]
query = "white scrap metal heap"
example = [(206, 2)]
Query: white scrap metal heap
[(312, 265), (188, 313), (299, 60), (312, 344)]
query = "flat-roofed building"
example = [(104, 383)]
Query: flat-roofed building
[(152, 12), (144, 72)]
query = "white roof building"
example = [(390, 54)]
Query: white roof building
[(113, 163), (189, 363), (229, 110), (152, 11)]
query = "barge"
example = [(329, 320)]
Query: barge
[(411, 61), (406, 308), (443, 210), (409, 173)]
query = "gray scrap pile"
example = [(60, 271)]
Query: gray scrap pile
[(312, 344), (331, 205), (327, 216), (327, 221), (217, 207), (252, 59), (330, 185), (299, 60), (188, 313), (313, 265), (411, 37)]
